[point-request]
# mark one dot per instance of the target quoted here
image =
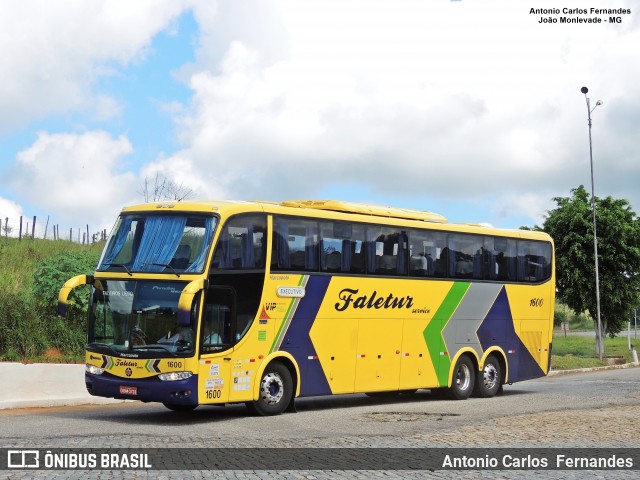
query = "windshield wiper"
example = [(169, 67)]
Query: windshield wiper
[(165, 265), (118, 265)]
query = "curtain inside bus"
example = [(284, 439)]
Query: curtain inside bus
[(159, 242)]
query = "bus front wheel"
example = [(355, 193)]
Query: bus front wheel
[(463, 380), (276, 391)]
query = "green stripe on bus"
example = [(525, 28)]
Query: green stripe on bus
[(286, 316), (433, 332)]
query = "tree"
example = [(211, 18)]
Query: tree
[(161, 188), (618, 230)]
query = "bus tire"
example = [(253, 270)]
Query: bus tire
[(463, 379), (276, 391), (179, 408), (489, 381)]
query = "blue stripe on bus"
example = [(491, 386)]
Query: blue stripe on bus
[(298, 343), (499, 320)]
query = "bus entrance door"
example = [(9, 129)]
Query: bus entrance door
[(216, 344)]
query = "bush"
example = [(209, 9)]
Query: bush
[(22, 329), (560, 316), (51, 274)]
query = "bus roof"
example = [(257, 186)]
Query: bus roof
[(331, 205), (315, 207), (365, 209)]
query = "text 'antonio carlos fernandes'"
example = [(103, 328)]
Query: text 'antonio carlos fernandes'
[(528, 462)]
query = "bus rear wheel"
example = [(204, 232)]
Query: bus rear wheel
[(489, 381), (463, 380), (276, 391)]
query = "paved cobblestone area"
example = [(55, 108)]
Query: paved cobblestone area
[(603, 428)]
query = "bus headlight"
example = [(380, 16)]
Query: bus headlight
[(171, 376), (93, 370)]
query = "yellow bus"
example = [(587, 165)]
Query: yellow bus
[(198, 303)]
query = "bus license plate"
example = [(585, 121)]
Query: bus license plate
[(128, 390)]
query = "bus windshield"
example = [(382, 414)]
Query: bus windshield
[(139, 316), (172, 244)]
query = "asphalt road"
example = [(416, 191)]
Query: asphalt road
[(593, 410)]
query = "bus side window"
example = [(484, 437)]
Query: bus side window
[(465, 256), (386, 251), (426, 252), (241, 245), (534, 261), (295, 245), (504, 253)]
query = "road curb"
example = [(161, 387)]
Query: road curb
[(592, 369), (27, 385)]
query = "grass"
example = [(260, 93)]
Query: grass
[(576, 351), (19, 258), (28, 332)]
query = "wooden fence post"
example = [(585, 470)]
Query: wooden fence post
[(33, 228), (20, 234)]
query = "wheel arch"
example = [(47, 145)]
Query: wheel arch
[(288, 361)]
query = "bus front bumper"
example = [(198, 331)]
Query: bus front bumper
[(176, 392)]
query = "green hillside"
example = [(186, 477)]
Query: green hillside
[(32, 271)]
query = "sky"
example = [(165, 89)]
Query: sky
[(469, 108)]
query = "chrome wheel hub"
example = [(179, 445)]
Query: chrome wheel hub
[(490, 376), (271, 388), (463, 377)]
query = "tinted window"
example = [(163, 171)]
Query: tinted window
[(242, 244), (295, 245), (534, 261), (427, 254), (386, 251), (465, 256), (342, 247), (500, 259)]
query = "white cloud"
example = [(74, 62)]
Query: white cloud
[(79, 179), (52, 53), (460, 100)]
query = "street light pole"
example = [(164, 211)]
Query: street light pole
[(599, 340)]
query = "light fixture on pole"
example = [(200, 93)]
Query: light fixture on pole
[(599, 338)]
